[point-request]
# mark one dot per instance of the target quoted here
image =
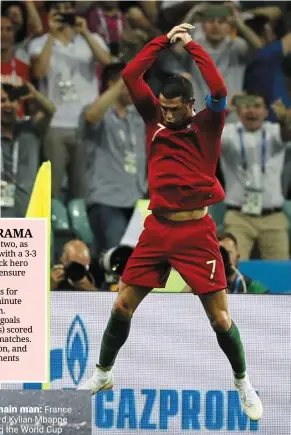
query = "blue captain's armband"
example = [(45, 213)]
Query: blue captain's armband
[(216, 105)]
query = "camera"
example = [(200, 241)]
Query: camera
[(68, 18), (75, 271), (113, 262), (15, 92)]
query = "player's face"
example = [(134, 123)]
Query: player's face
[(8, 109), (175, 112), (230, 247), (216, 29), (252, 115)]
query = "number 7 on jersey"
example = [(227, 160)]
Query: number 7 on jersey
[(213, 262)]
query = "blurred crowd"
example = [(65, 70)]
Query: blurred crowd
[(63, 100)]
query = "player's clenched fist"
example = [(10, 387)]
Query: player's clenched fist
[(182, 28)]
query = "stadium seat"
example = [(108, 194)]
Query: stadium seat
[(79, 220), (60, 220), (217, 212)]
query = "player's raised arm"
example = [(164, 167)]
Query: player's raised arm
[(216, 100), (141, 94)]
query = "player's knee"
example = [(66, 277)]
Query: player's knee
[(122, 308), (221, 322)]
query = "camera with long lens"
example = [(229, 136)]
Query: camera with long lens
[(226, 261), (113, 262), (75, 271)]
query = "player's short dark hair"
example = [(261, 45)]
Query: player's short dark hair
[(178, 86), (225, 235), (257, 24), (112, 72)]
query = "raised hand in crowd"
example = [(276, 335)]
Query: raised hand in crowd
[(280, 109), (81, 25), (236, 20)]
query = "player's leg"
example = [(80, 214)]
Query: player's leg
[(199, 262), (228, 337), (227, 333), (117, 330), (115, 335), (144, 271)]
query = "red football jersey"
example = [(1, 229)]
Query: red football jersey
[(12, 73), (181, 163)]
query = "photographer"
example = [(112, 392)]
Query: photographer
[(74, 271), (20, 146), (236, 281), (64, 62)]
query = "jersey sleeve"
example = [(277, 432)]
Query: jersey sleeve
[(133, 76), (212, 118), (209, 71)]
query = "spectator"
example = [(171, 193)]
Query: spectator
[(116, 177), (75, 264), (237, 282), (173, 11), (252, 160), (108, 21), (229, 54), (286, 69), (141, 15), (20, 148), (264, 74), (63, 61), (133, 40), (26, 23), (13, 70)]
